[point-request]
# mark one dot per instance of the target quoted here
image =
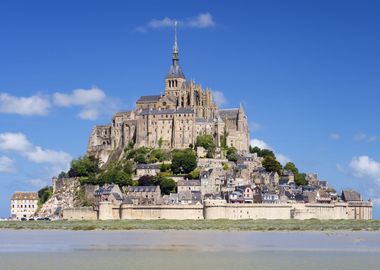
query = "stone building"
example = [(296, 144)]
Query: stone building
[(172, 120), (23, 205)]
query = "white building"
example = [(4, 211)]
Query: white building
[(23, 204)]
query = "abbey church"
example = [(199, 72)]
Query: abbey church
[(172, 120)]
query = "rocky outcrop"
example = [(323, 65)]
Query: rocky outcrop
[(65, 195)]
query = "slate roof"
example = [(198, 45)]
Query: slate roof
[(149, 99), (229, 113), (175, 71), (106, 190), (189, 183), (147, 166), (169, 111), (350, 196), (21, 195), (142, 188)]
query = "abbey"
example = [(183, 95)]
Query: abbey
[(172, 120)]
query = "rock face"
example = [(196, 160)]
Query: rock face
[(65, 195)]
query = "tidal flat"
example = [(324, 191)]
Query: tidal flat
[(218, 225), (61, 250)]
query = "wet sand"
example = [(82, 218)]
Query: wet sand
[(188, 250)]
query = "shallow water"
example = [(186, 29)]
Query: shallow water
[(187, 250)]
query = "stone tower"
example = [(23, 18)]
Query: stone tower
[(175, 78)]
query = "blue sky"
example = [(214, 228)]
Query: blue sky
[(307, 73)]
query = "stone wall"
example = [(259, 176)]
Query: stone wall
[(80, 213), (216, 209)]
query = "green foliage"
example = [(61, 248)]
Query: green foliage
[(165, 167), (141, 159), (157, 155), (116, 174), (183, 161), (167, 185), (160, 142), (261, 152), (272, 165), (300, 179), (62, 175), (45, 194), (232, 154), (146, 180), (223, 140), (195, 174), (290, 166), (128, 167), (206, 141), (225, 167), (84, 166)]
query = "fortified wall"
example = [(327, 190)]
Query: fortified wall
[(216, 209)]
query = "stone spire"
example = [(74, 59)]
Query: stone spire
[(175, 70)]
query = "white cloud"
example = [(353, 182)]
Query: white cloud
[(93, 102), (365, 137), (283, 159), (203, 20), (37, 183), (366, 167), (79, 97), (6, 164), (89, 114), (28, 106), (260, 144), (334, 136), (18, 142), (219, 98)]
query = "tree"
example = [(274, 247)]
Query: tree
[(300, 179), (141, 159), (223, 140), (85, 166), (232, 154), (167, 185), (156, 155), (206, 141), (290, 166), (45, 194), (128, 167), (272, 165), (146, 180), (183, 161), (160, 142), (115, 174), (62, 175), (261, 152), (195, 174)]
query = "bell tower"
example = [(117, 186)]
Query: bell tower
[(174, 78)]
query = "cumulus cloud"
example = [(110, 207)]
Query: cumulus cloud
[(365, 137), (203, 20), (219, 98), (27, 106), (283, 159), (18, 142), (366, 167), (6, 164), (37, 182), (79, 97), (334, 136), (93, 102), (260, 144)]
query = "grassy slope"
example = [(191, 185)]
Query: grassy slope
[(222, 225)]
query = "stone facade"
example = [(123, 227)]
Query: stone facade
[(23, 205), (172, 120)]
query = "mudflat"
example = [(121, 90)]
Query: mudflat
[(46, 249)]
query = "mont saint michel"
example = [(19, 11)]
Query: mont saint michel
[(178, 156), (172, 120)]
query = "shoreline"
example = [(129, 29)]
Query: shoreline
[(198, 225)]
